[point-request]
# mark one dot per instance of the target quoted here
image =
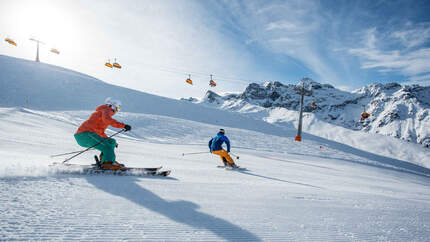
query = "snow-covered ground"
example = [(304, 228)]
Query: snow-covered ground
[(335, 185), (290, 192)]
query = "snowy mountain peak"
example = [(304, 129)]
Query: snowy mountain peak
[(400, 111), (376, 89)]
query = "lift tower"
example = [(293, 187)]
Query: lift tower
[(37, 53)]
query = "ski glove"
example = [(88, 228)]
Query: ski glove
[(127, 127)]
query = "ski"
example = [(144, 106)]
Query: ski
[(129, 171), (233, 169), (145, 168), (98, 163), (94, 169), (95, 166)]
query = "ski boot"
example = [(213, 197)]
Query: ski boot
[(99, 161), (234, 166), (109, 165)]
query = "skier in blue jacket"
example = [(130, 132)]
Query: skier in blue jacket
[(215, 146)]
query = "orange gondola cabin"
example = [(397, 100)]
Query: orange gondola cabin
[(10, 41), (108, 64), (365, 115), (189, 80), (212, 83), (55, 51), (116, 65)]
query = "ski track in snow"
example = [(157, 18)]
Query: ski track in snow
[(290, 192)]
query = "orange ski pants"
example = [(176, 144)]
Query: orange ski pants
[(224, 156)]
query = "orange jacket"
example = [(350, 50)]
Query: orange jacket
[(99, 121)]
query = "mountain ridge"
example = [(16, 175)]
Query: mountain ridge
[(400, 111)]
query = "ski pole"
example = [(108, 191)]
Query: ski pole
[(195, 153), (89, 148), (73, 152), (237, 157)]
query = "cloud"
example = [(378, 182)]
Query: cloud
[(289, 28), (408, 54), (416, 35), (423, 80), (282, 25)]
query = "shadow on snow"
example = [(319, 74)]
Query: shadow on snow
[(277, 179), (180, 211)]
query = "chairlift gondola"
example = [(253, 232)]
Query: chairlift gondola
[(53, 50), (189, 80), (364, 115), (108, 64), (212, 83), (10, 41), (116, 65)]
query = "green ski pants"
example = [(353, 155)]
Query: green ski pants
[(88, 139)]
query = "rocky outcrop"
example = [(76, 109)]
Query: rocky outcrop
[(401, 111)]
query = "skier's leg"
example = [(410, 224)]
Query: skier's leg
[(218, 152), (227, 157), (87, 139), (108, 161), (108, 150), (224, 160)]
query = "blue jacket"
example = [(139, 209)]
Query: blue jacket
[(216, 142)]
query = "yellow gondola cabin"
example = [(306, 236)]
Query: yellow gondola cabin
[(108, 64), (10, 41), (116, 65), (189, 80), (55, 51)]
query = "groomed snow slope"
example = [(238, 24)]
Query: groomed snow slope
[(291, 192), (46, 87), (315, 190)]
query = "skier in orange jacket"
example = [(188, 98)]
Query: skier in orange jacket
[(92, 132)]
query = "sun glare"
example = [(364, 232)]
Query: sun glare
[(48, 21)]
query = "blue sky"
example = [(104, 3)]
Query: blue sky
[(348, 44), (345, 43)]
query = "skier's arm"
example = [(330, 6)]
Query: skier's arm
[(210, 144), (107, 118), (227, 142)]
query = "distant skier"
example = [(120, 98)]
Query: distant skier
[(215, 146), (92, 131)]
